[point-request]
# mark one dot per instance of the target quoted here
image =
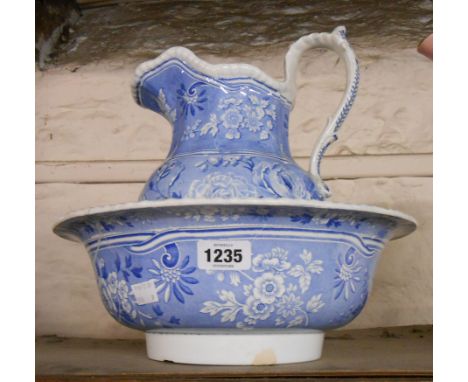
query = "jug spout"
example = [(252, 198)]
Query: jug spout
[(211, 110), (157, 92)]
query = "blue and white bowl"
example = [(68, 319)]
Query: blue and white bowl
[(192, 269)]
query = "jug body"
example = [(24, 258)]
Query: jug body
[(230, 125), (230, 138)]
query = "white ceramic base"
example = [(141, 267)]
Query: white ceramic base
[(215, 347)]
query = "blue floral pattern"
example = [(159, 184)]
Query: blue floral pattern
[(347, 274), (307, 269), (279, 181), (164, 179), (118, 298), (221, 185), (271, 294), (193, 99), (252, 113), (173, 278), (209, 115), (240, 176)]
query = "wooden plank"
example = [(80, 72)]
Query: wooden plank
[(400, 353), (113, 378), (337, 167)]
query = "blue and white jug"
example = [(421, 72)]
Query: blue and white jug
[(230, 125)]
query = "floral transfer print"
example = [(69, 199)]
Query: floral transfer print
[(304, 273), (193, 99), (218, 176), (169, 113), (221, 185), (118, 298), (346, 277), (165, 177), (213, 161), (280, 181), (252, 113), (270, 295), (173, 278), (275, 260), (115, 296)]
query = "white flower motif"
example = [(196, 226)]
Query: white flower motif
[(315, 303), (190, 99), (250, 113), (122, 290), (279, 181), (256, 309), (210, 127), (254, 99), (112, 282), (234, 278), (191, 130), (228, 308), (279, 321), (272, 295), (108, 301), (127, 307), (233, 134), (271, 111), (268, 287), (264, 135), (232, 118), (276, 260), (313, 266), (227, 102), (296, 321), (306, 256), (253, 118), (347, 276), (219, 185), (289, 305), (305, 273), (303, 276)]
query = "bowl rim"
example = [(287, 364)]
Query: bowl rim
[(406, 224)]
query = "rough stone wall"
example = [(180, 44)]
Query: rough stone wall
[(95, 147)]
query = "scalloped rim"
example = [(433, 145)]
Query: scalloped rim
[(216, 71), (407, 223)]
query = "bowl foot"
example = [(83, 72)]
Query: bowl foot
[(234, 347)]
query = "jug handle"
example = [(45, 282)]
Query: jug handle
[(337, 42)]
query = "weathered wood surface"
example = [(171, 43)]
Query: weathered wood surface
[(399, 353)]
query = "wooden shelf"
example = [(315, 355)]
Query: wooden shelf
[(384, 354)]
